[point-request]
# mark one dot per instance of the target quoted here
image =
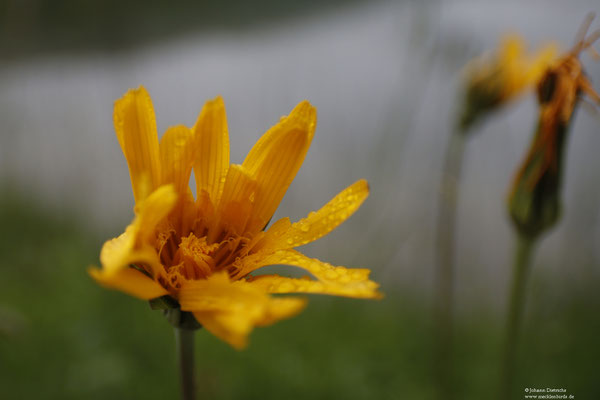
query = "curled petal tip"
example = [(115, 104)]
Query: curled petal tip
[(365, 183), (216, 102), (305, 109)]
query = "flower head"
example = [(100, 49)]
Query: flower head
[(202, 252), (493, 80)]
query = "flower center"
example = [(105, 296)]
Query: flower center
[(192, 257)]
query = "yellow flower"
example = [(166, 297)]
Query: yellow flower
[(202, 252), (492, 81)]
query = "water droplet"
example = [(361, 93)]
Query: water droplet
[(304, 228), (357, 275), (331, 274)]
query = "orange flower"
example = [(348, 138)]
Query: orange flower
[(203, 252)]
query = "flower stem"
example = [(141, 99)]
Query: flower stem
[(444, 274), (184, 341), (521, 267)]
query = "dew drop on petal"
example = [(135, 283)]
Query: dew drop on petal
[(331, 274), (357, 275), (285, 287)]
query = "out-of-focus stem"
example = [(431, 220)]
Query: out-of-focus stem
[(516, 305), (184, 341), (444, 274)]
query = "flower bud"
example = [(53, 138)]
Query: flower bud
[(534, 202)]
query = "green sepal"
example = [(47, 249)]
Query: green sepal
[(172, 312), (181, 319), (535, 202), (163, 303), (480, 98)]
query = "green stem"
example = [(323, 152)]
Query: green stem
[(516, 305), (444, 274), (184, 341)]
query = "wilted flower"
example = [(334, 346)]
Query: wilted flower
[(493, 80), (534, 201), (198, 255)]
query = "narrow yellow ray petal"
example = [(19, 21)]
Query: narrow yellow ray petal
[(136, 245), (235, 326), (226, 326), (280, 284), (237, 201), (135, 126), (176, 157), (230, 310), (130, 281), (122, 251), (212, 149), (154, 209), (321, 222), (540, 61), (276, 158), (323, 271), (217, 292)]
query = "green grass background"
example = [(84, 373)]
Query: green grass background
[(64, 337)]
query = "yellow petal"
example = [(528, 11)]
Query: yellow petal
[(324, 272), (230, 310), (237, 201), (154, 209), (176, 157), (512, 48), (321, 222), (226, 326), (276, 157), (187, 210), (540, 61), (519, 69), (130, 281), (135, 126), (122, 251), (136, 245), (212, 149), (280, 284)]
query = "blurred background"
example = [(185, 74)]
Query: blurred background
[(385, 78)]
